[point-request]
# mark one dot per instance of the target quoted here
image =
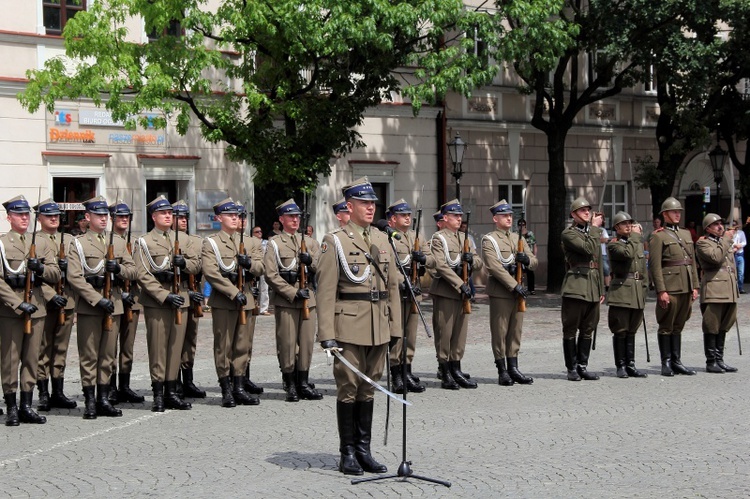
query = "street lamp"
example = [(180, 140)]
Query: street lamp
[(717, 157), (456, 149)]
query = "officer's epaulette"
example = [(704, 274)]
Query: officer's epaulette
[(338, 229)]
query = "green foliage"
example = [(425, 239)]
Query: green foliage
[(647, 173)]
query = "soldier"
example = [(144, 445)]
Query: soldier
[(222, 260), (157, 263), (16, 346), (582, 289), (341, 211), (448, 291), (295, 335), (358, 310), (399, 218), (122, 218), (191, 247), (88, 269), (672, 267), (627, 292), (53, 351), (439, 223), (501, 257), (719, 291)]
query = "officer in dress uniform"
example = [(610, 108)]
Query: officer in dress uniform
[(16, 346), (191, 247), (672, 267), (88, 268), (501, 257), (719, 291), (582, 289), (157, 263), (448, 292), (439, 223), (399, 218), (222, 260), (341, 211), (627, 292), (295, 335), (358, 313), (53, 351), (122, 218)]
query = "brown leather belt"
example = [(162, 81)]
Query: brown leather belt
[(630, 275), (372, 296), (587, 265), (676, 263)]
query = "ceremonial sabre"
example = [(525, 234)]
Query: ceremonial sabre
[(365, 377)]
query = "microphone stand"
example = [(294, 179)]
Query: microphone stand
[(404, 469)]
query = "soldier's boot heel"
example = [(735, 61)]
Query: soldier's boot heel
[(43, 389), (503, 378), (239, 394), (26, 413), (517, 375), (459, 376)]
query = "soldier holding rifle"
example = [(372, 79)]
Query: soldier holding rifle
[(160, 261), (504, 252), (53, 352), (289, 266), (224, 261), (98, 311), (454, 262)]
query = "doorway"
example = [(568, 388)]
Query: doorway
[(72, 191), (170, 189)]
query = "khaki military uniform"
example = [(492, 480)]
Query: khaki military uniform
[(191, 246), (153, 256), (583, 284), (53, 351), (295, 337), (506, 322), (629, 286), (718, 291), (128, 328), (355, 306), (231, 339), (86, 275), (15, 346), (448, 319)]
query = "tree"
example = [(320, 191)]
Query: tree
[(614, 34), (301, 72)]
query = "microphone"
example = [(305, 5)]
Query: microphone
[(382, 225)]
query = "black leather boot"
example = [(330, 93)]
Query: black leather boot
[(446, 378), (58, 398), (158, 404), (709, 348), (89, 404), (363, 436), (124, 393), (251, 387), (11, 418), (113, 398), (665, 351), (345, 418), (188, 385), (504, 378), (677, 366), (239, 394), (630, 357), (571, 361), (289, 387), (412, 382), (172, 400), (517, 375), (397, 383), (226, 392), (459, 376), (618, 347), (103, 406), (720, 339), (584, 349), (42, 386), (26, 413), (304, 389), (458, 367)]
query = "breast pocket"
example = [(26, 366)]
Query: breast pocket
[(357, 264)]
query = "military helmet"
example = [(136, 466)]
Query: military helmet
[(670, 204), (620, 217), (709, 219), (579, 203)]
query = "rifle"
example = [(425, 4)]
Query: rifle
[(414, 264), (176, 280), (30, 273), (61, 282), (302, 266), (128, 309), (109, 282), (519, 273), (240, 270), (465, 265), (254, 284)]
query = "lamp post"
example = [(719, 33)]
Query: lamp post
[(717, 157), (456, 149)]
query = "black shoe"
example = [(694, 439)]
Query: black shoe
[(11, 418), (158, 404), (397, 383), (412, 382), (503, 378), (58, 398), (517, 375), (251, 387), (172, 400), (125, 394), (113, 398), (226, 392), (459, 376), (290, 387), (305, 391), (89, 405), (241, 397), (446, 378), (26, 413), (43, 389), (103, 406), (188, 385)]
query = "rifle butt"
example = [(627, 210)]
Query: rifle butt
[(243, 317), (467, 306), (197, 310), (305, 311), (107, 326), (178, 316)]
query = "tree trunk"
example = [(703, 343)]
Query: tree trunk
[(557, 197)]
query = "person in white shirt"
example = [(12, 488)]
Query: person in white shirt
[(739, 241)]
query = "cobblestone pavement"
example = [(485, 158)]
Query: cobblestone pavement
[(677, 437)]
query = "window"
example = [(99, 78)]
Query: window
[(649, 78), (614, 200), (174, 28), (481, 49), (599, 61), (514, 194), (58, 12)]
